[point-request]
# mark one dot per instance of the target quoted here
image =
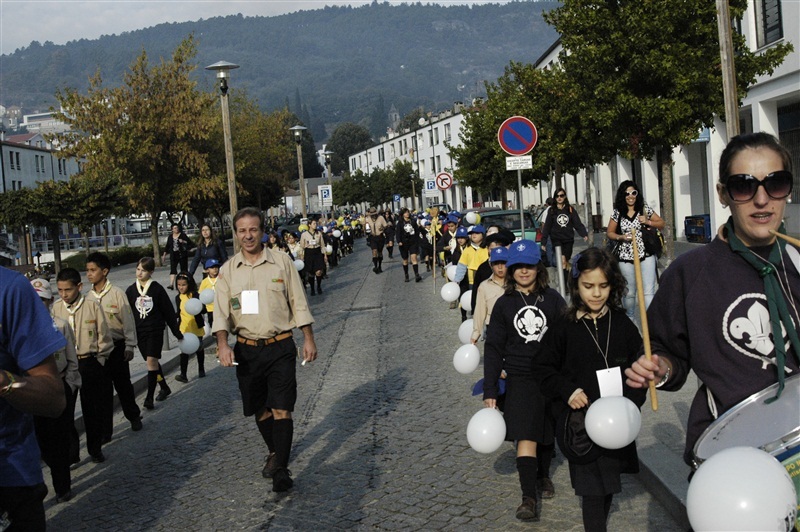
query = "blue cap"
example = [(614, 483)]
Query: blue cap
[(524, 252), (455, 214), (453, 219), (498, 254), (212, 263), (478, 229), (426, 223), (461, 232)]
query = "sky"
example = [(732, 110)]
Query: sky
[(61, 21)]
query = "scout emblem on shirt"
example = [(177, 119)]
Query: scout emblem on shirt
[(530, 323), (562, 220), (747, 329), (144, 304)]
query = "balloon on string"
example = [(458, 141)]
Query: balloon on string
[(473, 218), (207, 296), (450, 292), (299, 264), (465, 331), (450, 271), (466, 301), (190, 343), (741, 488), (613, 422), (337, 233), (467, 358), (328, 249), (193, 306), (486, 430)]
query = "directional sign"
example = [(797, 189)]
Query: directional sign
[(444, 180), (524, 162), (430, 188), (517, 135), (325, 195)]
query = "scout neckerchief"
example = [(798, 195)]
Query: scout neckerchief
[(144, 303), (104, 291), (778, 311), (72, 309)]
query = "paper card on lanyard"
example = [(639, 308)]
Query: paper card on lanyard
[(249, 301), (610, 382)]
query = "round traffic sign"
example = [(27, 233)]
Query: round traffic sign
[(517, 135), (444, 180)]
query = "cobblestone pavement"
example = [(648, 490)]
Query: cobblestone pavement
[(379, 439)]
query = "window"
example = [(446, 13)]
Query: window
[(433, 165), (447, 136), (380, 155), (11, 159), (439, 162), (422, 167), (391, 151), (435, 135), (769, 27), (36, 157), (19, 167)]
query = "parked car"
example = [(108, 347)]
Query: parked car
[(510, 220), (294, 222)]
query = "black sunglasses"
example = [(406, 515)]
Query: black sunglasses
[(743, 187), (561, 195)]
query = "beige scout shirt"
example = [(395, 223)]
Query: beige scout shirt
[(282, 303), (307, 240), (67, 359), (118, 311), (92, 335), (378, 225), (489, 291)]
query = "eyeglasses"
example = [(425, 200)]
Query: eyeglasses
[(743, 187), (632, 193), (561, 195)]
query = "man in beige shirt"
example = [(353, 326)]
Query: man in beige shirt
[(259, 297), (377, 224)]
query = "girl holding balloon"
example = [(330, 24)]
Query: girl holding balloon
[(585, 353), (191, 321)]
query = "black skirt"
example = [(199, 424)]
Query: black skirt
[(527, 411), (314, 261)]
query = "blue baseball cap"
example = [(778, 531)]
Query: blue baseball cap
[(461, 232), (212, 263), (455, 214), (524, 252), (498, 254), (477, 229)]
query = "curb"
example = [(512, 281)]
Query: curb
[(665, 477)]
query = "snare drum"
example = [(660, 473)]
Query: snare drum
[(773, 428)]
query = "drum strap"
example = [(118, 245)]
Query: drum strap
[(778, 310)]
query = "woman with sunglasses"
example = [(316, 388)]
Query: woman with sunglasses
[(720, 307), (630, 214), (560, 226)]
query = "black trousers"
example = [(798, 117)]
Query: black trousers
[(118, 373), (53, 436), (96, 392)]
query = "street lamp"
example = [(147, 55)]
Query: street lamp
[(413, 192), (297, 131), (327, 155), (222, 68)]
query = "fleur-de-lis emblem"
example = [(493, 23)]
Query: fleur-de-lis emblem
[(530, 324), (755, 329), (521, 247)]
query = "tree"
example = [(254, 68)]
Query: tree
[(346, 140), (50, 205), (92, 200), (149, 131), (15, 212)]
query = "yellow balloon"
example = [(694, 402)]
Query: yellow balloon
[(477, 218), (302, 228)]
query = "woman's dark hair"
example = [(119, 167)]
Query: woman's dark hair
[(540, 283), (619, 199), (147, 264), (591, 259), (403, 211), (751, 141), (185, 276), (201, 241), (566, 198), (173, 226)]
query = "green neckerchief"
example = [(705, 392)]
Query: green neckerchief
[(778, 310)]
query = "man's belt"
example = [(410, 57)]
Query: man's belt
[(88, 355), (263, 342)]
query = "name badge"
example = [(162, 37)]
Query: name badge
[(249, 301), (610, 382)]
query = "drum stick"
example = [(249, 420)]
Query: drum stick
[(648, 353), (793, 241)]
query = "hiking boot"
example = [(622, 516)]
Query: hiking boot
[(163, 394), (546, 488), (282, 480), (528, 511), (270, 466)]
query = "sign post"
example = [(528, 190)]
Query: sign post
[(517, 136), (325, 195)]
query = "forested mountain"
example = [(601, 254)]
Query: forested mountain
[(338, 63)]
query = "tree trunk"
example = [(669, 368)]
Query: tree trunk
[(105, 236), (558, 175), (589, 221), (56, 249), (86, 241), (668, 212), (154, 238)]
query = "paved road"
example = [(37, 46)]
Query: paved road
[(379, 437)]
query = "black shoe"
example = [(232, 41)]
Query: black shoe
[(181, 378), (163, 394), (282, 480), (319, 289), (527, 511), (201, 373), (136, 425), (106, 439), (64, 497), (407, 279), (374, 269), (418, 278), (148, 403), (98, 458), (270, 466), (546, 488)]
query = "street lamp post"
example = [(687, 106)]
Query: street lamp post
[(421, 123), (327, 155), (413, 192), (222, 68), (297, 131)]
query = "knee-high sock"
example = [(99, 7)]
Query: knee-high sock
[(416, 269), (152, 380), (593, 509), (265, 428), (161, 380), (526, 467), (282, 433), (544, 454), (184, 363), (201, 359), (405, 269)]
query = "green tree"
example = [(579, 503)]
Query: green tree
[(346, 140), (50, 205), (148, 131), (92, 200), (15, 212)]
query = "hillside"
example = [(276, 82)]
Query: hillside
[(346, 64)]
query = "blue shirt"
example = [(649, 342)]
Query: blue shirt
[(27, 337)]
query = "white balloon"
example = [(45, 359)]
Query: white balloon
[(466, 300), (465, 331), (486, 431), (190, 343), (337, 233), (328, 249), (450, 292), (741, 488), (193, 306), (207, 296), (472, 217), (299, 264), (613, 422), (467, 358), (450, 271)]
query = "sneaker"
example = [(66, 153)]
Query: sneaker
[(270, 466), (64, 497), (282, 480), (148, 403), (98, 458), (163, 394), (180, 378), (527, 511), (546, 488)]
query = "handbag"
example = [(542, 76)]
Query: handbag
[(653, 241)]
